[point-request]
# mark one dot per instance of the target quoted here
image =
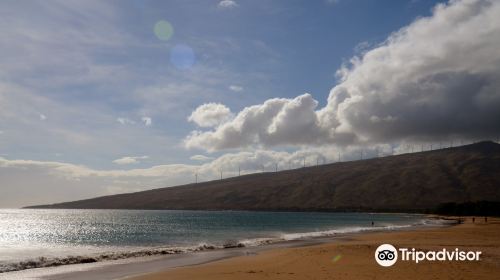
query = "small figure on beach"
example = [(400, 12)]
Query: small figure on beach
[(485, 219), (373, 223), (473, 219)]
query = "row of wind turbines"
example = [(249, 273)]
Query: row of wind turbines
[(363, 154)]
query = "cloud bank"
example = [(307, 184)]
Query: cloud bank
[(59, 181), (129, 160), (200, 158), (437, 78)]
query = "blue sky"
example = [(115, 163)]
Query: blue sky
[(268, 48), (89, 83)]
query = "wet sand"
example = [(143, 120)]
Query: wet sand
[(354, 258)]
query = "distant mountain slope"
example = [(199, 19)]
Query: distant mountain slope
[(415, 181)]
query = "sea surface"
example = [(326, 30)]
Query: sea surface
[(43, 238)]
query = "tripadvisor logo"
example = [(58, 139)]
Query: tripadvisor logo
[(387, 255)]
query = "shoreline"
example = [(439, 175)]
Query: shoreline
[(126, 267), (352, 257)]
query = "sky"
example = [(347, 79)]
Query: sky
[(105, 97)]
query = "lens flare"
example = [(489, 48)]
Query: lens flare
[(336, 258), (182, 56), (163, 30)]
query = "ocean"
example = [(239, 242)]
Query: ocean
[(32, 238)]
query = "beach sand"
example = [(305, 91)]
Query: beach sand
[(353, 258)]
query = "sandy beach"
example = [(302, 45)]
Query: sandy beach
[(353, 258)]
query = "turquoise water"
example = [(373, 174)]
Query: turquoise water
[(53, 235)]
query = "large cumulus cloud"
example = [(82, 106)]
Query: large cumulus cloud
[(275, 121), (437, 78)]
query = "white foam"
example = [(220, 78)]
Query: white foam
[(344, 230)]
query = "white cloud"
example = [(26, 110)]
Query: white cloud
[(42, 117), (249, 161), (201, 158), (57, 182), (129, 160), (147, 121), (125, 121), (277, 121), (235, 88), (210, 115), (227, 4), (437, 78), (432, 79)]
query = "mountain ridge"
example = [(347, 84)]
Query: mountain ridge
[(405, 182)]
